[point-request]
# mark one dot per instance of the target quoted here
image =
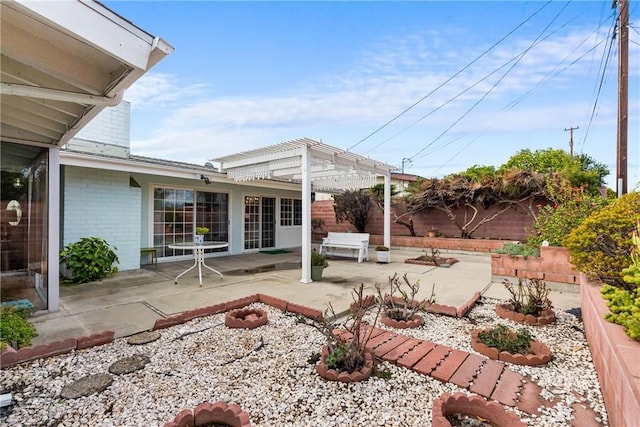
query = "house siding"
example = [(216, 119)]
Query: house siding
[(100, 203)]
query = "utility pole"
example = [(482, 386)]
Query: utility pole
[(571, 138), (623, 96), (403, 162)]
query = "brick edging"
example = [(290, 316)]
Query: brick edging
[(541, 355), (9, 356)]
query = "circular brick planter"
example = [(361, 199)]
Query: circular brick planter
[(506, 311), (343, 376), (246, 318), (474, 405), (415, 321), (205, 414), (369, 301), (540, 353)]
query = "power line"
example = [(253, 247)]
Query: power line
[(606, 55), (483, 97), (553, 73), (450, 78), (439, 107)]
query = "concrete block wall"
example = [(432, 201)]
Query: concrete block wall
[(615, 357), (100, 203), (553, 265), (512, 225)]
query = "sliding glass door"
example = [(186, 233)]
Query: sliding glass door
[(176, 213)]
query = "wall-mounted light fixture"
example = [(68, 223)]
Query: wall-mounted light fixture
[(205, 179), (17, 183)]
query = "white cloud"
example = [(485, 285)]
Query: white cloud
[(385, 81)]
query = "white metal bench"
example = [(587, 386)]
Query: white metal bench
[(346, 244)]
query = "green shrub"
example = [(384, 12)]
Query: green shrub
[(506, 339), (89, 260), (625, 305), (516, 248), (15, 327), (601, 245), (625, 309), (318, 260), (555, 221)]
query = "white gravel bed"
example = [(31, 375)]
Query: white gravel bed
[(276, 384)]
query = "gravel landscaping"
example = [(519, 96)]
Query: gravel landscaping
[(268, 373)]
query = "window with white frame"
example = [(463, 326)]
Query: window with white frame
[(290, 212)]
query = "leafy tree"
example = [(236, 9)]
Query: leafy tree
[(480, 173), (568, 208), (581, 171), (352, 206)]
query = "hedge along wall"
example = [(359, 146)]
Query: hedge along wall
[(511, 225)]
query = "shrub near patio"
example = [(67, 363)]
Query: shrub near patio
[(601, 245), (625, 305), (15, 327), (89, 259)]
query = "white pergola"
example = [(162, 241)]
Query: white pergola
[(317, 167)]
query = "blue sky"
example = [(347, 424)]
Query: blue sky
[(249, 74)]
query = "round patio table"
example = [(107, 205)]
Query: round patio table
[(198, 253)]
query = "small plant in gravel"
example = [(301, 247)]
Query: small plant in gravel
[(507, 339), (401, 303), (432, 257), (347, 355), (89, 259), (529, 296), (15, 327)]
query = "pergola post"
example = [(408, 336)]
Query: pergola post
[(305, 164), (387, 209)]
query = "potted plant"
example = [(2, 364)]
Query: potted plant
[(318, 264), (401, 311), (383, 254), (198, 239), (345, 356)]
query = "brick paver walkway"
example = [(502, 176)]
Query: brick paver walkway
[(478, 374)]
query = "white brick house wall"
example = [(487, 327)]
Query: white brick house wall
[(100, 203), (108, 133)]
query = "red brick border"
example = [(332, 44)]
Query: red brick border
[(245, 318), (506, 311), (342, 376), (9, 356), (540, 353), (415, 322), (211, 413), (460, 403)]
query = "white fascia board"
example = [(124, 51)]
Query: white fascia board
[(97, 26), (231, 162), (125, 165)]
